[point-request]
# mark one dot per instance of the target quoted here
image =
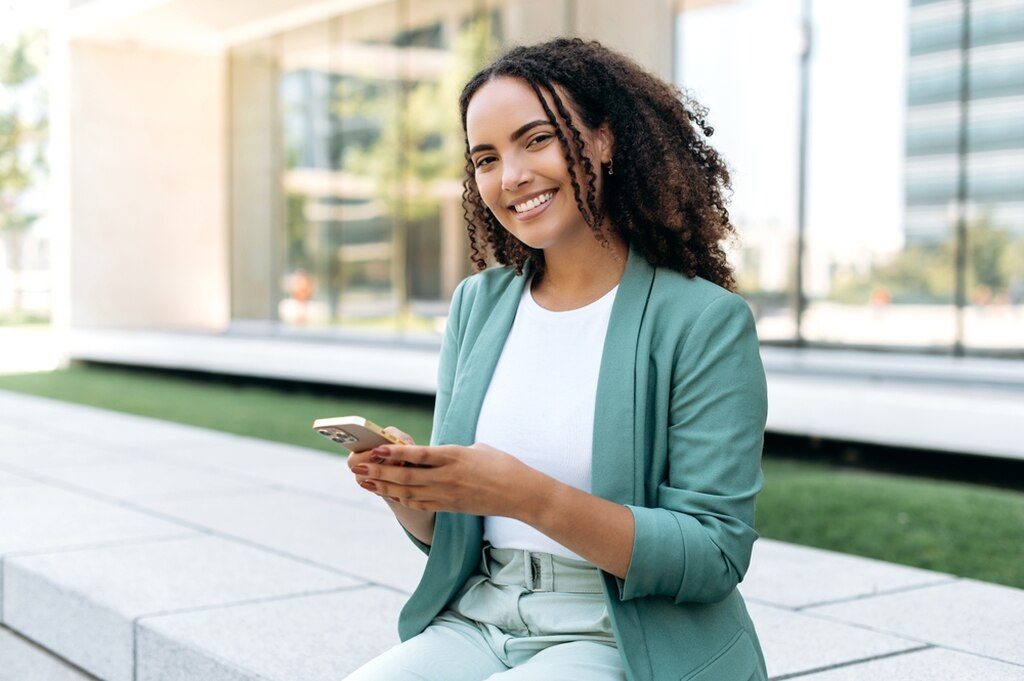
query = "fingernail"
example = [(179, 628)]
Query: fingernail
[(395, 499), (381, 452), (361, 469), (367, 485)]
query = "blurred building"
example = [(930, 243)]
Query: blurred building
[(273, 187), (965, 76), (223, 154)]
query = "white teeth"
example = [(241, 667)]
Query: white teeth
[(534, 202)]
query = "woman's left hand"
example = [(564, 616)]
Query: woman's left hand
[(478, 480)]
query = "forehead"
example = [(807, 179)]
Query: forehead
[(500, 106)]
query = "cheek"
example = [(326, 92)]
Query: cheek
[(489, 188)]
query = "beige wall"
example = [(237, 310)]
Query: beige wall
[(148, 217), (643, 29)]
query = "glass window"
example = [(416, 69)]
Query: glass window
[(348, 161), (937, 82), (993, 281), (741, 60), (879, 260), (891, 258), (935, 36), (992, 24), (305, 292), (371, 234)]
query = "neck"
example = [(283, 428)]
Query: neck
[(574, 279)]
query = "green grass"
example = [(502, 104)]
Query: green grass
[(964, 529), (268, 411), (23, 320), (969, 530)]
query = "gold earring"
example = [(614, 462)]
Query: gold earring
[(611, 168)]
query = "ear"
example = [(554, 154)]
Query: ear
[(605, 142)]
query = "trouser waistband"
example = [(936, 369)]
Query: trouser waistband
[(540, 571)]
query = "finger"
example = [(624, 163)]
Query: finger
[(357, 462), (359, 458), (411, 497), (363, 473), (412, 455), (377, 489), (401, 436), (365, 457), (370, 486), (406, 476)]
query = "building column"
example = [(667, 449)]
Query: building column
[(257, 204)]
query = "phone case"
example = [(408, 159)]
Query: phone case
[(353, 432)]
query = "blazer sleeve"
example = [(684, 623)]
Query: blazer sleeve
[(695, 544)]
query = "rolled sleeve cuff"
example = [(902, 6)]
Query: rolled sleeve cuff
[(658, 561)]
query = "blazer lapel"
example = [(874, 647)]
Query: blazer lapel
[(474, 376), (615, 459)]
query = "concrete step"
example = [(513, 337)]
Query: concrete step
[(23, 660), (140, 550)]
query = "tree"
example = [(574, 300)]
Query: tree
[(22, 140), (417, 144), (924, 273), (420, 141), (993, 259)]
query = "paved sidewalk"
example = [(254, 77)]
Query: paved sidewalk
[(139, 550)]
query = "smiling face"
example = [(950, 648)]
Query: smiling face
[(520, 167)]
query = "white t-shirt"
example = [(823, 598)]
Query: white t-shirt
[(540, 403)]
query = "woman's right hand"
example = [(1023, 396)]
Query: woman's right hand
[(419, 524), (359, 458)]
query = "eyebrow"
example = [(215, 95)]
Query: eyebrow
[(519, 132)]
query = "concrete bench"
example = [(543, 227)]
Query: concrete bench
[(140, 550)]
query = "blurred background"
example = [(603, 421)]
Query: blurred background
[(181, 176)]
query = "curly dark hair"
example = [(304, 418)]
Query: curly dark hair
[(667, 197)]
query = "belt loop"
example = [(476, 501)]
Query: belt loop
[(485, 560), (547, 571), (539, 571)]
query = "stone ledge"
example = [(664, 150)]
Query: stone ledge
[(281, 575)]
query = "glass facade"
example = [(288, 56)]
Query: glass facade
[(369, 163), (889, 139), (367, 229), (877, 151), (741, 61)]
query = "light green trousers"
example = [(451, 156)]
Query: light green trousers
[(524, 617)]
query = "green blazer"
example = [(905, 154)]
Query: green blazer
[(678, 431)]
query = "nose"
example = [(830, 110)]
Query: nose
[(514, 174)]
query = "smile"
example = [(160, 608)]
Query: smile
[(534, 202)]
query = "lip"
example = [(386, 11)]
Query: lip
[(533, 212)]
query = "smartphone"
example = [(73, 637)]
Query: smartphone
[(354, 433)]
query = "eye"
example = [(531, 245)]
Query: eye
[(484, 161), (539, 138)]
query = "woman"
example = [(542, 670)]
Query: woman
[(613, 387)]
